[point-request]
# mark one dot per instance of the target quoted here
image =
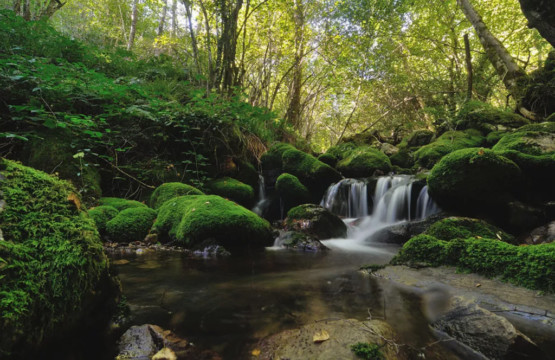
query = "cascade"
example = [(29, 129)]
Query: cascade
[(347, 198), (262, 203)]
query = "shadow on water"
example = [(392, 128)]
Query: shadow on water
[(229, 304)]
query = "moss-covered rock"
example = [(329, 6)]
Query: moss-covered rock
[(464, 228), (472, 180), (272, 159), (295, 240), (101, 215), (328, 159), (364, 162), (291, 191), (527, 142), (119, 203), (341, 151), (419, 138), (403, 158), (448, 142), (169, 191), (484, 117), (232, 189), (192, 219), (246, 173), (52, 268), (529, 266), (315, 220), (131, 224)]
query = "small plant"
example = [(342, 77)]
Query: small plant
[(367, 351)]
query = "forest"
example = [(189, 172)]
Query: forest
[(277, 179)]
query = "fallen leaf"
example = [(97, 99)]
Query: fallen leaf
[(255, 352), (478, 285), (321, 336), (73, 198)]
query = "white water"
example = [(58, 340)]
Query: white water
[(262, 203), (348, 198)]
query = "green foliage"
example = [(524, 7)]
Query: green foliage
[(448, 142), (195, 218), (51, 259), (291, 191), (233, 189), (529, 266), (363, 162), (101, 215), (131, 224), (120, 204), (471, 180), (169, 191), (486, 118), (367, 351), (464, 228)]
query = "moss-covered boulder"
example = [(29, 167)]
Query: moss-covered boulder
[(131, 224), (529, 266), (291, 191), (403, 158), (448, 142), (53, 272), (233, 189), (272, 159), (472, 180), (419, 138), (328, 159), (119, 203), (171, 190), (364, 162), (190, 220), (463, 228), (246, 173), (315, 220), (341, 151), (484, 117), (101, 215)]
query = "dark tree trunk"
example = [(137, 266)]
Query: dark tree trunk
[(133, 30), (469, 75), (293, 114), (541, 15), (162, 22), (227, 44)]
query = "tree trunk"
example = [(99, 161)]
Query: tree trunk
[(227, 44), (541, 15), (174, 18), (469, 74), (505, 66), (187, 5), (162, 22), (211, 72), (293, 114), (133, 30)]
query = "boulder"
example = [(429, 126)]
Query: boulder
[(232, 189), (296, 240), (389, 149), (192, 219), (315, 220), (448, 142), (169, 191), (131, 224), (484, 117), (540, 235), (364, 162), (119, 203), (101, 215), (401, 233), (482, 334), (291, 191), (420, 138), (308, 341)]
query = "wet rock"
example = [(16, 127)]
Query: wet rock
[(298, 344), (389, 149), (522, 217), (401, 233), (295, 240), (479, 333), (137, 343), (541, 235), (315, 220)]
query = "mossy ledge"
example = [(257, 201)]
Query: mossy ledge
[(189, 220), (53, 270)]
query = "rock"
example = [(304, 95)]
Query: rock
[(295, 240), (169, 191), (401, 233), (420, 138), (151, 239), (291, 191), (389, 149), (145, 341), (119, 203), (484, 117), (232, 189), (299, 344), (540, 235), (483, 333), (131, 224), (315, 220), (522, 217), (448, 142), (364, 162), (101, 215), (165, 354)]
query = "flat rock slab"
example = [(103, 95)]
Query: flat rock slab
[(299, 344)]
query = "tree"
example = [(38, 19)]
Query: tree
[(133, 28), (36, 10), (541, 15)]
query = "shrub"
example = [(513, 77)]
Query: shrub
[(367, 351)]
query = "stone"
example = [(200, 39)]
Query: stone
[(165, 354), (540, 235), (137, 343), (389, 149), (315, 220), (295, 240)]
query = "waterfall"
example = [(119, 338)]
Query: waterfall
[(393, 202), (262, 203)]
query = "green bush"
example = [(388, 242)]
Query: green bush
[(131, 224), (363, 162), (291, 191), (448, 142), (101, 215), (51, 259), (120, 204), (192, 219), (168, 191), (233, 189), (367, 351)]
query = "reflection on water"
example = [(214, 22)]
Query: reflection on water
[(229, 304)]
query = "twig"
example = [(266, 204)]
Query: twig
[(126, 174)]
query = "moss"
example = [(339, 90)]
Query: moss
[(291, 191), (315, 220), (539, 89), (448, 142), (246, 173), (367, 351), (484, 117), (131, 224), (101, 215), (315, 174), (51, 259), (169, 191), (363, 162), (493, 137), (528, 142), (463, 228), (192, 219), (328, 159), (419, 138), (119, 203), (550, 118), (403, 158), (529, 266), (272, 159), (233, 189), (471, 180), (342, 150)]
